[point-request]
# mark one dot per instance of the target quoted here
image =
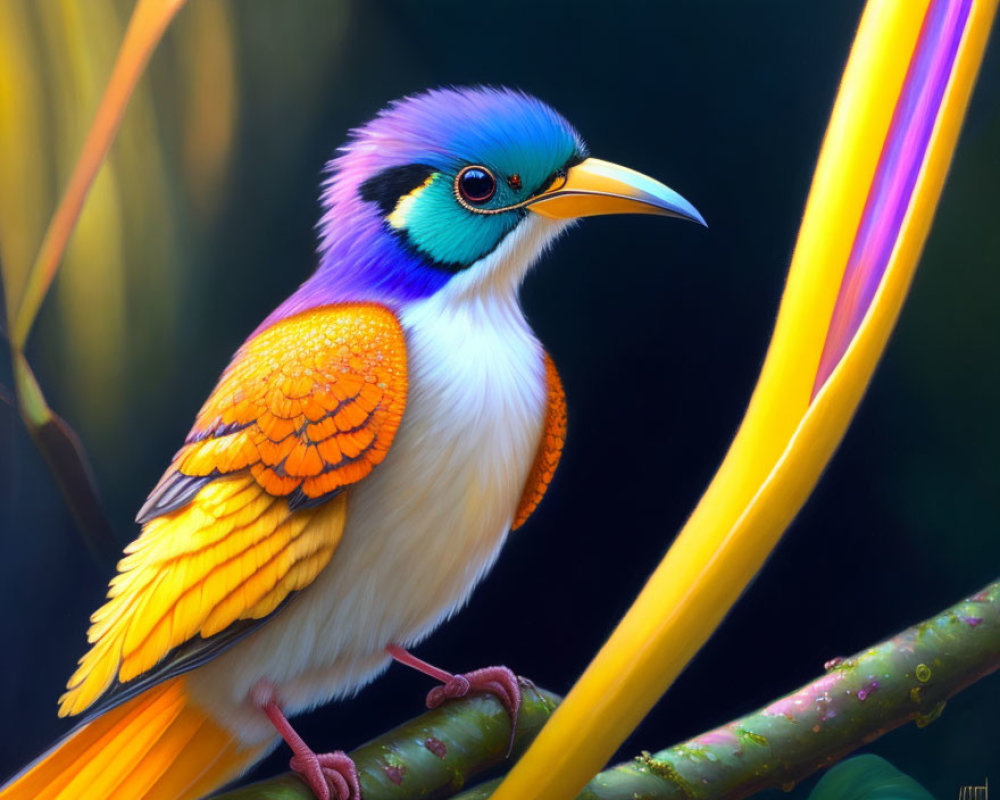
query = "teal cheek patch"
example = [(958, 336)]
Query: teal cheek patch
[(447, 234)]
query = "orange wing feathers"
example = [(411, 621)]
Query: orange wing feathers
[(549, 448), (236, 525), (309, 405)]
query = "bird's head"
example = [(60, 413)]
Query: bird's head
[(462, 188)]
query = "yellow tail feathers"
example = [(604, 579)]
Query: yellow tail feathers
[(157, 746)]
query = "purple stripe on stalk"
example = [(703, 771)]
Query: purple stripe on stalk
[(896, 174)]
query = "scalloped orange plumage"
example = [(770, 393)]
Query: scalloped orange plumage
[(311, 403)]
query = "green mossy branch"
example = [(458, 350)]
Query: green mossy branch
[(906, 678), (432, 755)]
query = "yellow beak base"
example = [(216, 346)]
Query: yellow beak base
[(595, 187)]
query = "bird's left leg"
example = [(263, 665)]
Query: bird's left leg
[(331, 776), (498, 681)]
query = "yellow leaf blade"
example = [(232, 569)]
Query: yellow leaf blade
[(785, 440)]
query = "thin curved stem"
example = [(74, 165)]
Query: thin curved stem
[(149, 20)]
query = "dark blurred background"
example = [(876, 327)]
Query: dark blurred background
[(203, 222)]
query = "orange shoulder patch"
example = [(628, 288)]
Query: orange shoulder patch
[(308, 406), (549, 448)]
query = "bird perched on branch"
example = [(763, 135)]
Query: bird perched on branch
[(358, 466)]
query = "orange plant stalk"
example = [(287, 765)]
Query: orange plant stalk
[(57, 442), (145, 29)]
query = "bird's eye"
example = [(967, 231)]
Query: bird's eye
[(476, 185)]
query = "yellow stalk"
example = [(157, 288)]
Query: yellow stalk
[(206, 47), (83, 42), (24, 177), (787, 437), (149, 20)]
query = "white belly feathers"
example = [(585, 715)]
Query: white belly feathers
[(421, 530)]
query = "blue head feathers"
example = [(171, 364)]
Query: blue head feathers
[(429, 187)]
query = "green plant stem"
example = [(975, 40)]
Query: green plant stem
[(63, 453), (906, 678), (67, 460)]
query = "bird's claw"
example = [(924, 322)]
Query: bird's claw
[(453, 688), (497, 681), (330, 776)]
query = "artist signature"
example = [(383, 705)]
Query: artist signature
[(975, 792)]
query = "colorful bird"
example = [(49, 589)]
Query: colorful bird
[(357, 468)]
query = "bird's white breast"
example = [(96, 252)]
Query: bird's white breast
[(423, 528)]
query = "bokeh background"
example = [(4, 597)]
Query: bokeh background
[(202, 221)]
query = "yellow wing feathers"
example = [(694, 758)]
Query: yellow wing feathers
[(234, 553), (249, 512)]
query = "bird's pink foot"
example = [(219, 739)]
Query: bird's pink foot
[(497, 681), (330, 776)]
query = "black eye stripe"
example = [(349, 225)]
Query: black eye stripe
[(387, 187)]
